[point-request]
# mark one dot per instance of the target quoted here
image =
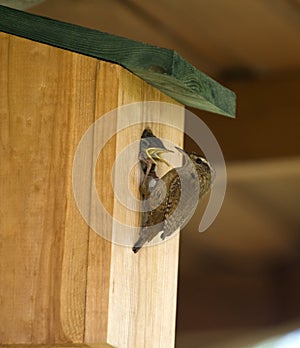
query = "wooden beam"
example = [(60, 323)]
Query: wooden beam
[(162, 68), (47, 100), (60, 281)]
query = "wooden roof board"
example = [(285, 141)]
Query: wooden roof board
[(160, 67)]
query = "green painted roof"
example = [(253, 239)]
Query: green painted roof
[(160, 67)]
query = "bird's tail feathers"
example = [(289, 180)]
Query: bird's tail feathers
[(140, 242), (146, 235)]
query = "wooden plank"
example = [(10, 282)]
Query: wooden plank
[(221, 37), (99, 255), (162, 68), (143, 287), (46, 102), (61, 282), (122, 307)]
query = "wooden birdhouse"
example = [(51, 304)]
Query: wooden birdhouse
[(61, 283)]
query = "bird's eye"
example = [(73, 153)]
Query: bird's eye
[(199, 160)]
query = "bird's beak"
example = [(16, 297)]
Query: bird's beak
[(185, 155), (180, 150), (156, 152)]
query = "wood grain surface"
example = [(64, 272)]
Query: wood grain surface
[(60, 282), (162, 68)]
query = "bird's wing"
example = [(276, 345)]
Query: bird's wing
[(162, 201), (174, 191), (172, 217), (153, 206), (156, 206), (151, 217)]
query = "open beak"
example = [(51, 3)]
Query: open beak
[(154, 153)]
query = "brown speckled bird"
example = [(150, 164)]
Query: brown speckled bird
[(170, 202)]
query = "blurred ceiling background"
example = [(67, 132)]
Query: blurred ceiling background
[(242, 274)]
